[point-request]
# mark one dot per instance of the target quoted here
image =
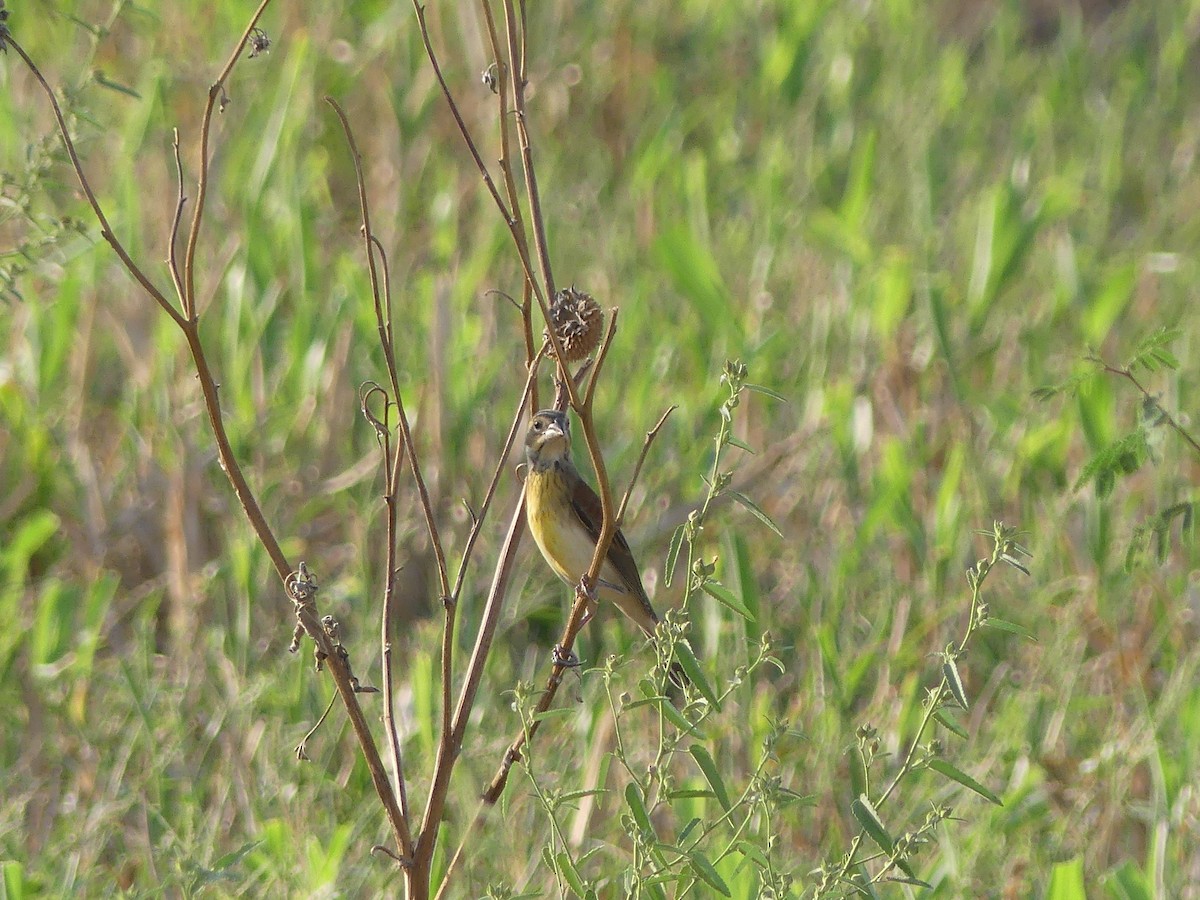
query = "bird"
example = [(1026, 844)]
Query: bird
[(565, 518)]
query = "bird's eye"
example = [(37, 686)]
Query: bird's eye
[(537, 424)]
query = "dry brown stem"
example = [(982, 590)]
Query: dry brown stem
[(330, 653)]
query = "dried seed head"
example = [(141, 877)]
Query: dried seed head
[(259, 42), (578, 322)]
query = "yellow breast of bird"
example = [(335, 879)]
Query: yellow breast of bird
[(561, 537)]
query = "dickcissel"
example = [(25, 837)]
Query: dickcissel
[(565, 517)]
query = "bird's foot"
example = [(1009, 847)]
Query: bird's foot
[(565, 658), (587, 594)]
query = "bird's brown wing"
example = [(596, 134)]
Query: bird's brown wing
[(590, 513)]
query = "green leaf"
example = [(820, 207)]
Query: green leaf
[(1152, 353), (1008, 226), (691, 826), (948, 722), (1106, 304), (50, 637), (1128, 882), (666, 708), (552, 714), (760, 389), (14, 882), (754, 510), (940, 316), (673, 554), (1010, 627), (891, 291), (686, 257), (786, 795), (690, 794), (235, 857), (1015, 563), (703, 868), (711, 774), (569, 873), (576, 795), (691, 667), (724, 596), (750, 851), (676, 718), (954, 682), (30, 536), (1066, 881), (943, 767), (858, 772), (106, 82), (653, 700), (869, 819), (633, 799), (1120, 457), (741, 445), (912, 879)]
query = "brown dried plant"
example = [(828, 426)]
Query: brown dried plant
[(383, 407)]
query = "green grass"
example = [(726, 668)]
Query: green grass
[(902, 225)]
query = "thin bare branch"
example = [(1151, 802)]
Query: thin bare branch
[(510, 219), (527, 333), (217, 89), (462, 125), (561, 395), (387, 287), (383, 434), (511, 212), (637, 469), (450, 745), (478, 520), (545, 700), (328, 651), (372, 246), (1127, 373), (515, 33), (524, 72), (448, 750), (384, 333), (382, 302), (173, 241), (302, 747), (503, 74), (452, 869), (106, 231), (609, 334)]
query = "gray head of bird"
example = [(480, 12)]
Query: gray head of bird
[(548, 439)]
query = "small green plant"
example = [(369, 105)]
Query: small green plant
[(877, 846), (1126, 454), (689, 829)]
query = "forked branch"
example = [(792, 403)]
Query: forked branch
[(330, 653)]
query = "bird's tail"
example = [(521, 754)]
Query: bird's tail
[(677, 676), (677, 680)]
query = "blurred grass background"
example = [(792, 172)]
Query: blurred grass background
[(903, 218)]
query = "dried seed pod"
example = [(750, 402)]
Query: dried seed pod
[(578, 321)]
